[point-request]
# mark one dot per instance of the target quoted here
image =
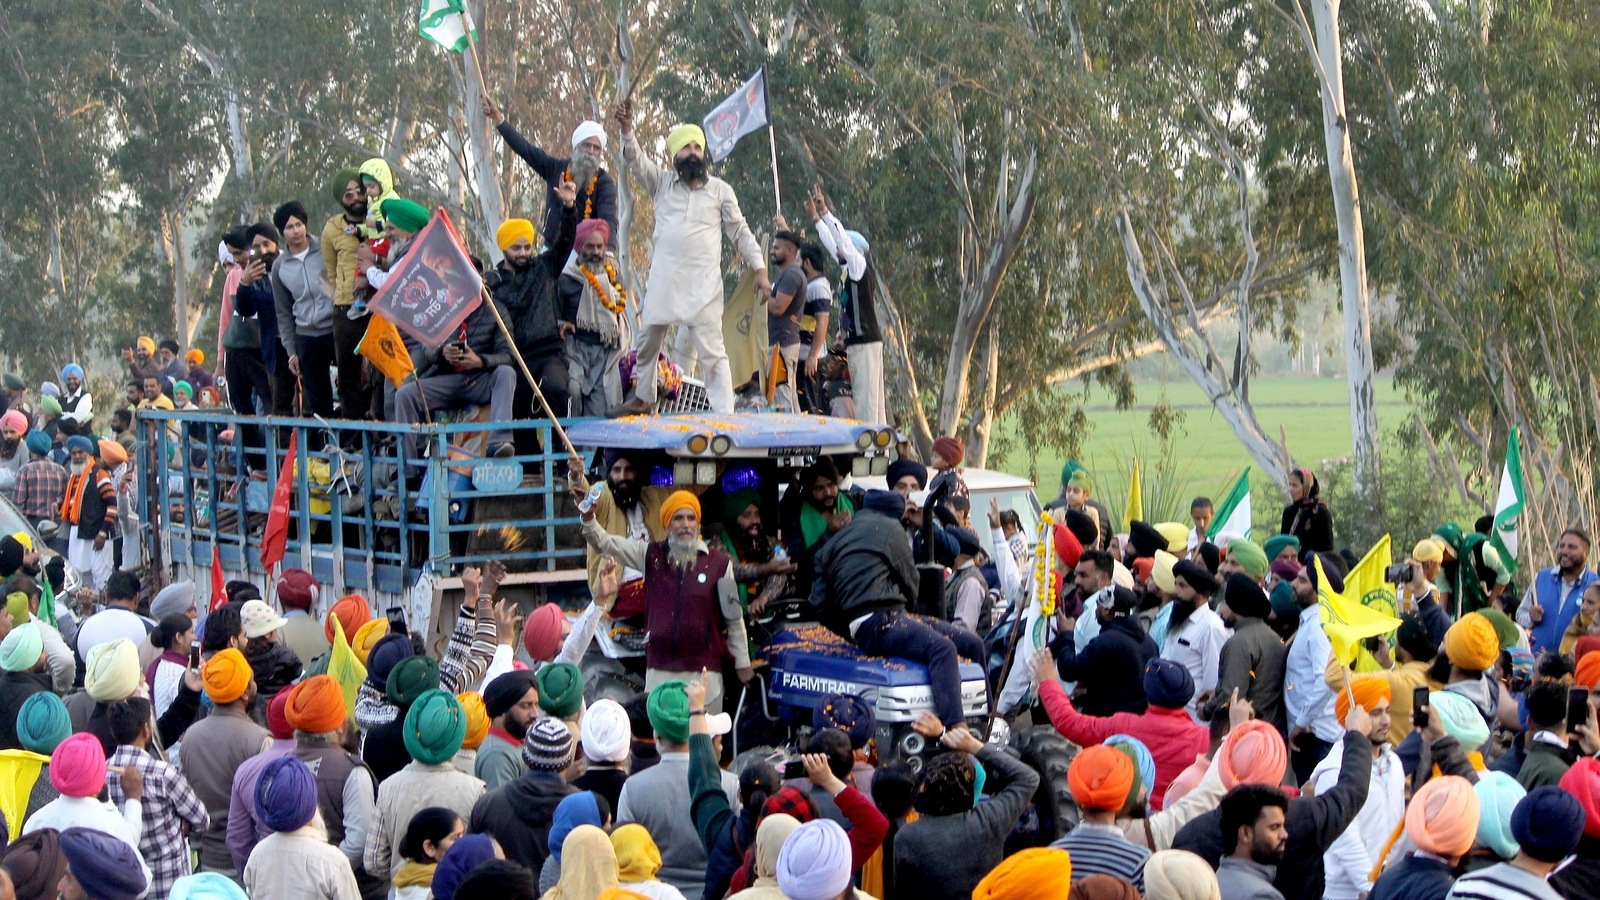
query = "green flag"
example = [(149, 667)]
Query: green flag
[(1508, 506), (445, 23), (1233, 516)]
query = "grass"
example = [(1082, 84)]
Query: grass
[(1206, 457)]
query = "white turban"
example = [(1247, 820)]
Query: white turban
[(224, 255), (605, 732), (814, 863), (177, 597), (586, 129)]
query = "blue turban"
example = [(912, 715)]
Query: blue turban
[(1167, 684), (1498, 794), (574, 810), (467, 853), (79, 442), (848, 713), (38, 442), (1547, 823), (1142, 760), (384, 656), (106, 866), (71, 369), (43, 723), (286, 795)]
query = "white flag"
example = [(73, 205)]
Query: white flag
[(1233, 517), (1508, 505), (743, 112)]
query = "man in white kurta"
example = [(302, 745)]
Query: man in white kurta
[(693, 211)]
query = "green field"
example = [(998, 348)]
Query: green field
[(1313, 413)]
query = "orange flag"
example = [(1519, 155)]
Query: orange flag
[(383, 346)]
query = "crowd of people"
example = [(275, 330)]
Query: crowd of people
[(305, 748), (294, 745)]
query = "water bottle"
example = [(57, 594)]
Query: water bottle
[(590, 499)]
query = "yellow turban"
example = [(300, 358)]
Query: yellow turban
[(226, 676), (679, 500), (638, 857), (477, 719), (25, 539), (367, 635), (682, 136), (147, 344), (1176, 534), (1033, 874), (1443, 817), (1370, 689), (1428, 550), (111, 671), (1161, 572), (1472, 643), (511, 231)]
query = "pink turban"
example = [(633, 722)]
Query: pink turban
[(1187, 780), (541, 636), (78, 766), (588, 227), (1254, 753), (1443, 817), (13, 421)]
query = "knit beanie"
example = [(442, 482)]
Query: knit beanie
[(547, 747)]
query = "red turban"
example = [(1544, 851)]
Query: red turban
[(1370, 689), (1581, 781), (541, 634), (1585, 646)]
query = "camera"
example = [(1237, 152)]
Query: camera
[(1403, 574)]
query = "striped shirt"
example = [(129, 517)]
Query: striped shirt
[(1103, 850), (1500, 882)]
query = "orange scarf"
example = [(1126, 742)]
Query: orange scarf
[(77, 482)]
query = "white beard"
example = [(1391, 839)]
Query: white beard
[(681, 553)]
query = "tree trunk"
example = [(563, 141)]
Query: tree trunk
[(1352, 250), (981, 284), (239, 145), (480, 147), (984, 415), (901, 374)]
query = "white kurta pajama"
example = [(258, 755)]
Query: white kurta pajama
[(684, 287)]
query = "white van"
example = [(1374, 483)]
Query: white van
[(1012, 491)]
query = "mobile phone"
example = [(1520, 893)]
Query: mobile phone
[(794, 768), (1402, 574), (397, 620), (194, 656), (1419, 707), (1577, 708)]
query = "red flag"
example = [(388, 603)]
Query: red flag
[(219, 586), (275, 537), (433, 288)]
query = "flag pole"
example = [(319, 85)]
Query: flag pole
[(516, 354), (777, 196), (472, 47)]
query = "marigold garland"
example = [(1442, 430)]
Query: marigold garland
[(616, 285), (1044, 565), (588, 203)]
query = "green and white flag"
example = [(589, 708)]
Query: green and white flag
[(445, 23), (1233, 516), (1508, 506)]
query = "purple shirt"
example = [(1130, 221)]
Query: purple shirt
[(245, 828)]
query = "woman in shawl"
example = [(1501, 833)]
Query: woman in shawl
[(1307, 517)]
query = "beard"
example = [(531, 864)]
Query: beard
[(517, 728), (356, 209), (76, 467), (751, 543), (681, 551), (584, 166), (691, 168), (625, 494), (594, 262), (10, 447)]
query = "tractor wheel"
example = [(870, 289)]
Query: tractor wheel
[(1048, 753)]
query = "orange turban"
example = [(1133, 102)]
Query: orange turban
[(1101, 778), (112, 453), (679, 500), (352, 612), (477, 719), (1588, 672), (1253, 753), (1370, 688), (1037, 873), (226, 676), (1443, 816), (368, 636), (1472, 643), (317, 706)]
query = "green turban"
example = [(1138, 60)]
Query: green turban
[(435, 727), (1275, 545), (1249, 556), (406, 215), (21, 649), (668, 708), (561, 690)]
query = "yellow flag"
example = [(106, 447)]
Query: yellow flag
[(1349, 618), (344, 666), (383, 346), (19, 771), (1135, 507)]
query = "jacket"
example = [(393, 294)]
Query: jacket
[(1544, 765), (518, 815), (340, 240), (301, 294), (865, 568), (1560, 606), (256, 299), (483, 336), (1312, 523), (1110, 670), (529, 295), (602, 203), (229, 738), (1313, 825), (275, 667), (15, 689), (1254, 661), (1241, 879), (1173, 738), (1415, 878), (499, 760), (940, 857), (1579, 879), (406, 793)]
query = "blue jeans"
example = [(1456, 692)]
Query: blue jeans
[(937, 645)]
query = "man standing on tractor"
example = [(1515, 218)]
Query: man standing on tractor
[(864, 578)]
